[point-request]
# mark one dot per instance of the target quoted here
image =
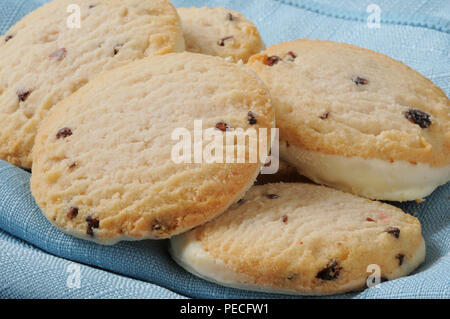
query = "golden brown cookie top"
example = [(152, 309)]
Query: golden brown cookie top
[(51, 53), (107, 150), (340, 99), (302, 238), (220, 32)]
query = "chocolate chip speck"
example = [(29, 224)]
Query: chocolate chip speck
[(400, 258), (360, 81), (72, 213), (92, 6), (394, 231), (252, 118), (290, 56), (230, 16), (117, 48), (271, 60), (222, 126), (418, 117), (92, 223), (284, 218), (63, 133), (330, 272), (8, 37), (73, 165), (325, 115), (370, 220), (222, 41), (59, 54), (272, 196), (23, 94), (157, 225)]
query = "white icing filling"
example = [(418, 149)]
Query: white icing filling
[(190, 254), (371, 178)]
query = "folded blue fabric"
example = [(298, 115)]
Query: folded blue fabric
[(27, 272), (39, 261)]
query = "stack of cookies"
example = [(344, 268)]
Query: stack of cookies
[(115, 109)]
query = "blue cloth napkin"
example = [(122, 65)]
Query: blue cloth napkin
[(38, 261)]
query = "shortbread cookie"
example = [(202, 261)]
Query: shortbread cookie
[(105, 163), (302, 239), (358, 120), (220, 32), (51, 53)]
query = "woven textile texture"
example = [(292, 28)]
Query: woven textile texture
[(38, 261)]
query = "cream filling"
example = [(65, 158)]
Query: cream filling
[(371, 178), (190, 255)]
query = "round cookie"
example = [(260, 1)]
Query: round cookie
[(357, 120), (47, 56), (220, 32), (105, 162), (305, 239)]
